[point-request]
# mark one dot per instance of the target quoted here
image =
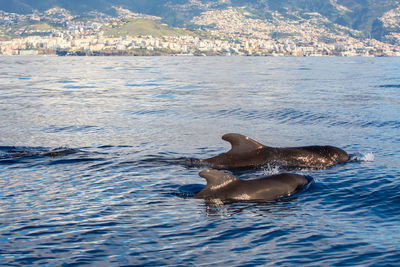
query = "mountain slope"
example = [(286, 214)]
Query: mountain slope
[(356, 14)]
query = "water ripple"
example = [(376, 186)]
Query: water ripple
[(97, 160)]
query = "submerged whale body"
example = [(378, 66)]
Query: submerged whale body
[(12, 152), (247, 153), (225, 187)]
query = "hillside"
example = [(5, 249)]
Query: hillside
[(224, 27), (356, 14), (144, 27), (298, 29), (27, 29)]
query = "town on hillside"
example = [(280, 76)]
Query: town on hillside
[(232, 31)]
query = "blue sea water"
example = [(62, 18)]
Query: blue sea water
[(93, 152)]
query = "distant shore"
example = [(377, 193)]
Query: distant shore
[(164, 54)]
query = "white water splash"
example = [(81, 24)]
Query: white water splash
[(361, 157), (271, 169)]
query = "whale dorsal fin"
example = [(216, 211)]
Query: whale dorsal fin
[(241, 143), (217, 179)]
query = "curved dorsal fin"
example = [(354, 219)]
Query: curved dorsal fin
[(241, 143), (217, 179)]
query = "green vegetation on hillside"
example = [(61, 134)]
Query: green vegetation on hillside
[(248, 13), (3, 35), (40, 27), (146, 27), (28, 29)]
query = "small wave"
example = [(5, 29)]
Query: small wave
[(290, 115), (187, 191), (142, 84), (72, 129), (13, 152), (390, 86), (161, 160), (73, 161), (361, 157), (66, 81), (79, 86)]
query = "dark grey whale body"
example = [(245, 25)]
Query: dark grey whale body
[(225, 187), (247, 153)]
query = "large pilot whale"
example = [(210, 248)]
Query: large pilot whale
[(247, 153), (225, 187)]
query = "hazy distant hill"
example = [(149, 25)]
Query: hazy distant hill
[(82, 6), (358, 14)]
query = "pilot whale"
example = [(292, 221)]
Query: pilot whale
[(247, 153), (227, 188)]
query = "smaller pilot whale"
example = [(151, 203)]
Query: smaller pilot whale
[(247, 153), (227, 188)]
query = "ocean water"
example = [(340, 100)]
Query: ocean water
[(93, 153)]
